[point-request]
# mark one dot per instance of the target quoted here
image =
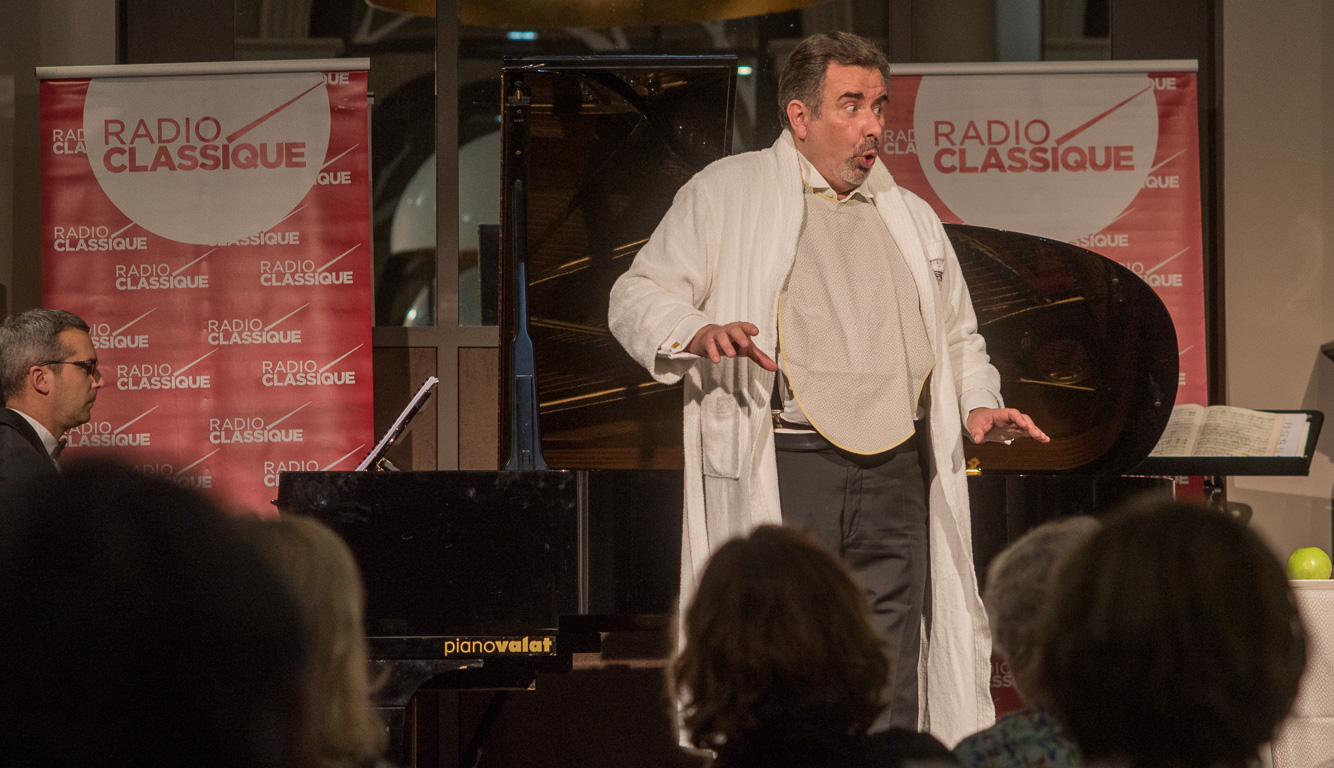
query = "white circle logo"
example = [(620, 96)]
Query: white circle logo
[(207, 160), (1057, 156)]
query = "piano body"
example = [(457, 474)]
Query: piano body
[(484, 579)]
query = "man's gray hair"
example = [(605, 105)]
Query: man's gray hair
[(30, 338), (803, 75), (1020, 586)]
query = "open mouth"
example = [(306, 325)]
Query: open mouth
[(866, 157)]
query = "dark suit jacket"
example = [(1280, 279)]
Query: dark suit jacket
[(23, 458)]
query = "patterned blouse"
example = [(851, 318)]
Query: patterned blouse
[(1025, 738)]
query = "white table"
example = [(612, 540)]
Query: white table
[(1306, 738)]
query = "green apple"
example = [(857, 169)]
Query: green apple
[(1309, 563)]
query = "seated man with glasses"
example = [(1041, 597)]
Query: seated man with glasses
[(49, 380)]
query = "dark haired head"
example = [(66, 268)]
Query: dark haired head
[(140, 628), (1174, 640), (29, 338), (803, 76), (778, 648)]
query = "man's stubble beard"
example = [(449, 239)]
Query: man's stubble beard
[(850, 171)]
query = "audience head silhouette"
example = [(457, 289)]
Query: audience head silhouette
[(141, 628), (327, 584), (1019, 587), (778, 649), (1174, 641)]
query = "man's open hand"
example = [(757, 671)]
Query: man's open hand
[(1001, 424), (715, 341)]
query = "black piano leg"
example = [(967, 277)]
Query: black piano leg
[(431, 733), (473, 753), (395, 750)]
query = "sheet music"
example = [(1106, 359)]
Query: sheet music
[(1292, 441), (1180, 431), (400, 424), (1237, 432)]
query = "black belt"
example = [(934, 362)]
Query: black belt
[(810, 440)]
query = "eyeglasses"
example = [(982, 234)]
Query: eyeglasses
[(89, 366)]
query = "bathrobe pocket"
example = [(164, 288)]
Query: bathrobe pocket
[(720, 431)]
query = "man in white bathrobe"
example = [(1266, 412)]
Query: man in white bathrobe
[(807, 258)]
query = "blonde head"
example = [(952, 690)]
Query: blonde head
[(327, 585)]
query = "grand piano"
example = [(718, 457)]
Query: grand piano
[(486, 579)]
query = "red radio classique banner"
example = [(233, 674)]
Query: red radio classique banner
[(1104, 155), (213, 228)]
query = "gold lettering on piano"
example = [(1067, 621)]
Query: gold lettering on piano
[(492, 646)]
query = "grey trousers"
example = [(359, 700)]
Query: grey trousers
[(872, 512)]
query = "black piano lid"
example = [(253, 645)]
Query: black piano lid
[(499, 553), (461, 553), (601, 144), (1083, 345)]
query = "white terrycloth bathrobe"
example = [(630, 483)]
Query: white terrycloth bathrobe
[(723, 252)]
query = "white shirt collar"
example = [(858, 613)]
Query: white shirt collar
[(816, 181), (48, 439)]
